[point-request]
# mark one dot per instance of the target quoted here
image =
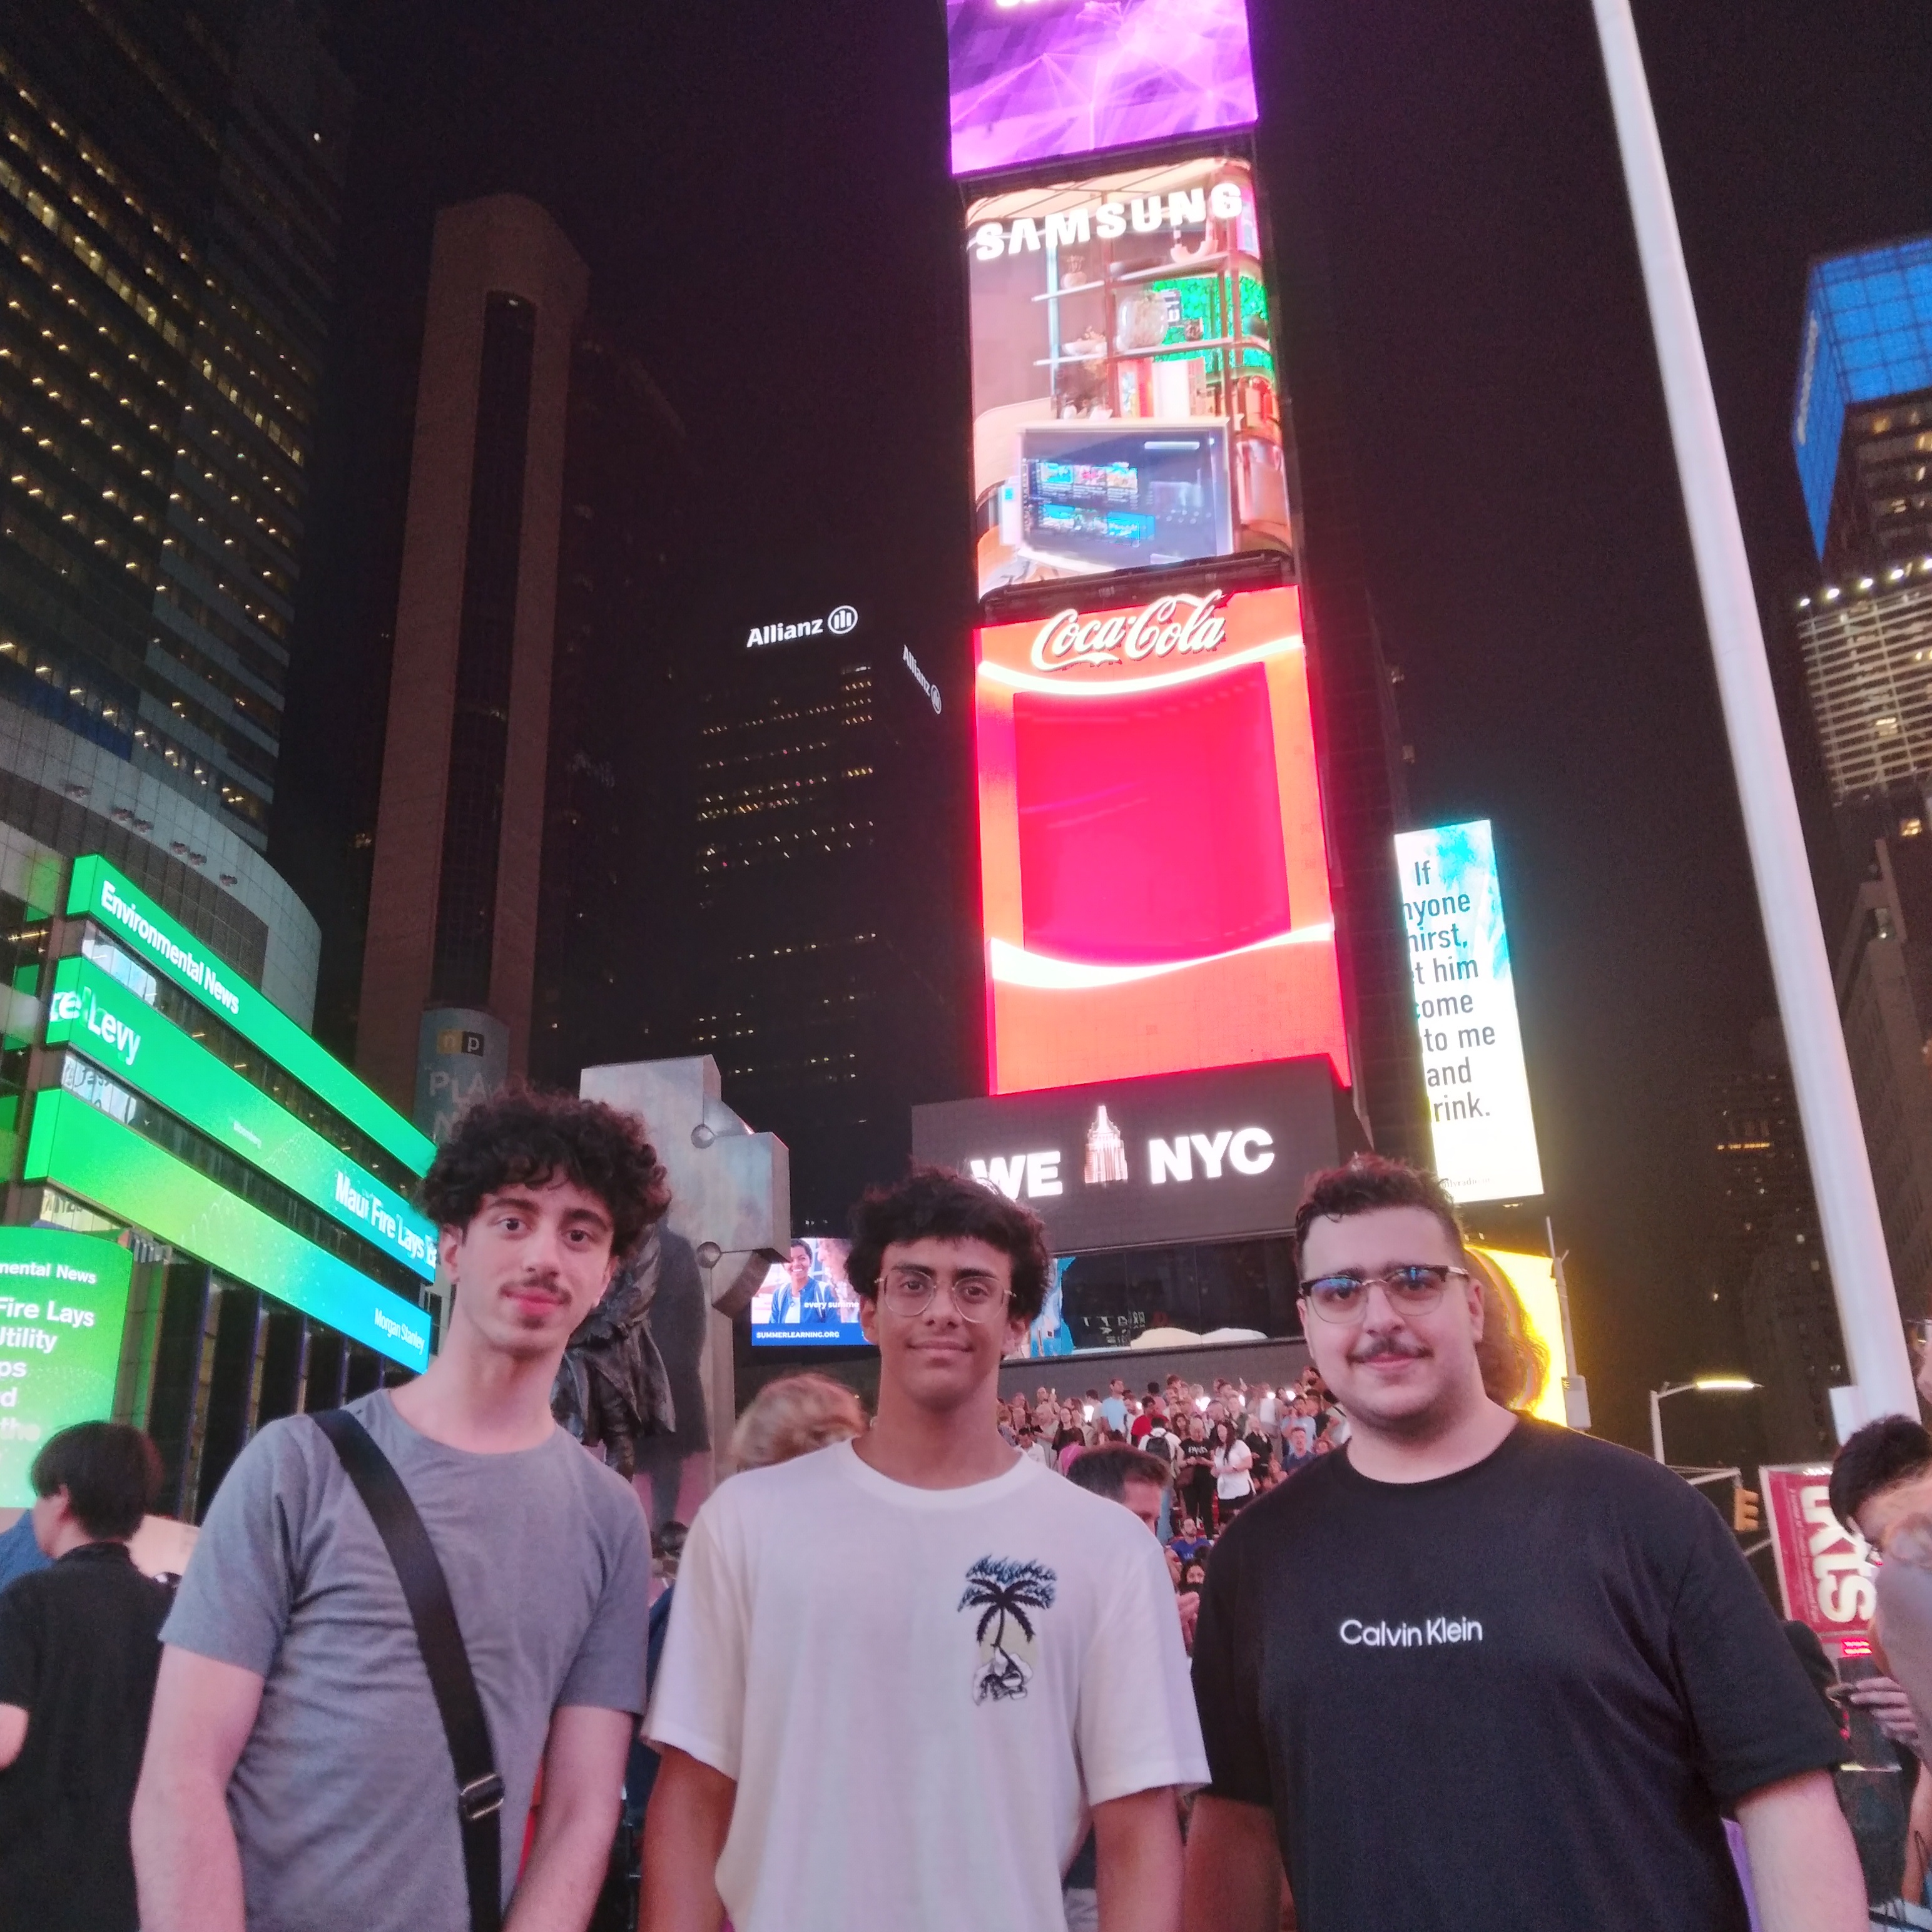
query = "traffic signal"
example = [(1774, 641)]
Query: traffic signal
[(1744, 1516)]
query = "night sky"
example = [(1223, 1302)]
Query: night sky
[(761, 193)]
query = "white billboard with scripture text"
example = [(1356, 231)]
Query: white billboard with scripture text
[(1484, 1132)]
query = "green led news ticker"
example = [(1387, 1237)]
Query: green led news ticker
[(82, 1150), (132, 918), (122, 1033), (63, 1302)]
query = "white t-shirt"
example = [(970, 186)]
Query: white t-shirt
[(1231, 1465), (920, 1692)]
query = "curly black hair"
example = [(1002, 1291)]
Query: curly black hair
[(1369, 1181), (525, 1137), (934, 1201)]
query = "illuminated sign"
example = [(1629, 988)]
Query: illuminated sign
[(135, 922), (807, 1301), (1035, 80), (1532, 1279), (79, 1149), (925, 683), (63, 1302), (103, 1020), (1483, 1131), (1154, 870), (840, 622), (1125, 408), (1825, 1572), (1867, 336), (1221, 1155)]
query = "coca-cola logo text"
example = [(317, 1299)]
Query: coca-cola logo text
[(1176, 625)]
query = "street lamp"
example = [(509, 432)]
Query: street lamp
[(1827, 1106), (1703, 1385)]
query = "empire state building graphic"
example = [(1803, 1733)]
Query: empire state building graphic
[(1106, 1153)]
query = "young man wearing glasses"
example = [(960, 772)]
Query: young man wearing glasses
[(1473, 1671), (905, 1673)]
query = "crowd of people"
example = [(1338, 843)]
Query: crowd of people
[(1224, 1443), (1451, 1668)]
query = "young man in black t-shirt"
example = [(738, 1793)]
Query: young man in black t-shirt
[(1475, 1673)]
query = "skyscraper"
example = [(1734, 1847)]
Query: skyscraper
[(1770, 1290), (459, 833), (821, 983), (1862, 427), (169, 185)]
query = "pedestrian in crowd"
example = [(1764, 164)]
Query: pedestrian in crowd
[(1139, 1482), (297, 1771), (1261, 1450), (1196, 1471), (793, 1416), (1113, 1407), (1233, 1478), (1881, 1489), (1194, 1577), (1149, 1414), (1572, 1729), (990, 1659), (80, 1645), (20, 1555), (1161, 1441), (1297, 1449)]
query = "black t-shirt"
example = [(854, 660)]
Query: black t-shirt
[(1197, 1458), (79, 1648), (1513, 1700)]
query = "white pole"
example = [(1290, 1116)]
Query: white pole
[(1833, 1135)]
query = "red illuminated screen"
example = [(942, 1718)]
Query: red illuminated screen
[(1154, 874)]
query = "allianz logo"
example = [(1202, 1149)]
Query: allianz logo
[(114, 1034), (1409, 1637)]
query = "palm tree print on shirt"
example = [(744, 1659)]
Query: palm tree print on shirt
[(1004, 1590)]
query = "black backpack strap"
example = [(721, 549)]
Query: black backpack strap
[(479, 1790)]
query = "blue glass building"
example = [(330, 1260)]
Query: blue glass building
[(1861, 428)]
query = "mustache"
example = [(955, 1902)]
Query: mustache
[(1388, 1348)]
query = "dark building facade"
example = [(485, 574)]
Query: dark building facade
[(1769, 1284), (615, 887), (822, 964)]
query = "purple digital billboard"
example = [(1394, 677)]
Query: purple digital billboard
[(1035, 80)]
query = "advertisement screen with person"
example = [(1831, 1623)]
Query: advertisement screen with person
[(806, 1300)]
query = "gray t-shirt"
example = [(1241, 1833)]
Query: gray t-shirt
[(344, 1800)]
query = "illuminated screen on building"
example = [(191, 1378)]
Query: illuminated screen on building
[(1153, 871), (1038, 80), (806, 1301), (1126, 412), (1482, 1128)]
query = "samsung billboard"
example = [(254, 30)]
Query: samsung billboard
[(1219, 1155)]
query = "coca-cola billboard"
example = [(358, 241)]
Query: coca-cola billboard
[(1824, 1571), (1154, 874)]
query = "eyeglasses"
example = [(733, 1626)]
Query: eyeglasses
[(909, 1291), (1413, 1289)]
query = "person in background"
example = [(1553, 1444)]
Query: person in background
[(1194, 1578), (1570, 1732), (79, 1646), (1261, 1449), (1034, 1449), (988, 1658), (1197, 1472), (1138, 1483), (1113, 1407), (297, 1772), (1233, 1479), (1881, 1488), (1148, 1414), (792, 1416), (1296, 1450), (20, 1555)]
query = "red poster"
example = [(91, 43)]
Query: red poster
[(1824, 1571)]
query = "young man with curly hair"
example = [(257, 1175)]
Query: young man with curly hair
[(904, 1672), (297, 1772), (1471, 1670)]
